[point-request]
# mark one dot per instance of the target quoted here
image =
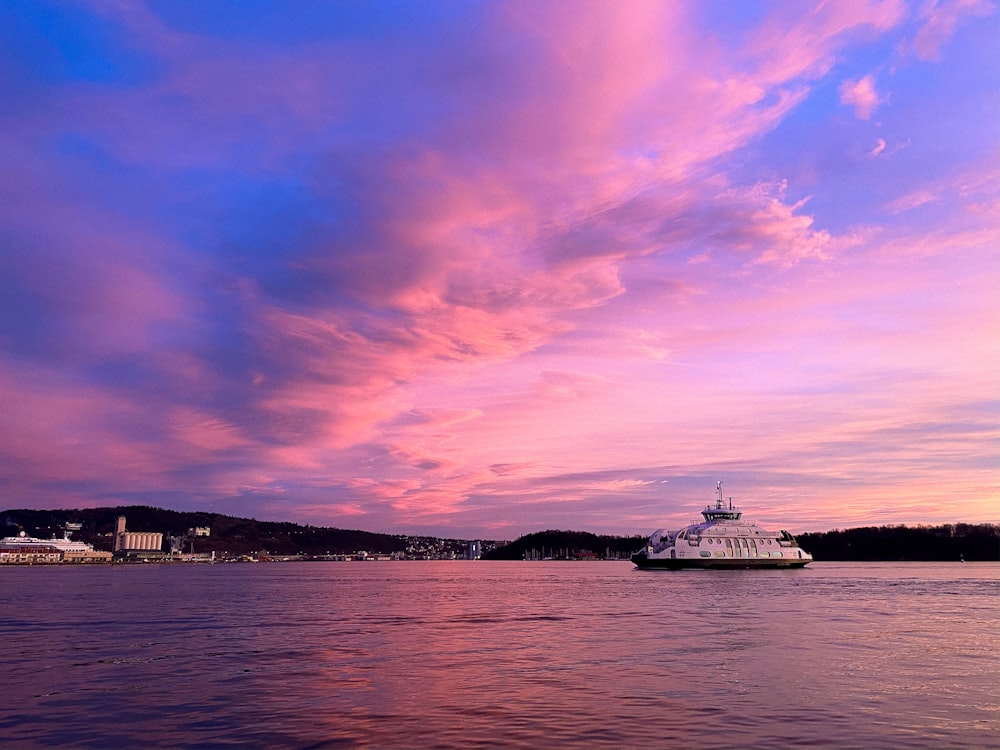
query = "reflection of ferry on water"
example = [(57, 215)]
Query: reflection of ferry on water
[(722, 540)]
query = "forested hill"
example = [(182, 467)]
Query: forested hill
[(229, 535), (972, 542), (567, 545)]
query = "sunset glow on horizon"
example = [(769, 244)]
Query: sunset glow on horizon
[(478, 269)]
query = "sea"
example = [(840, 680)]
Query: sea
[(475, 654)]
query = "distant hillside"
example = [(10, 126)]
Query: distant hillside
[(566, 545), (229, 535), (240, 536), (972, 542)]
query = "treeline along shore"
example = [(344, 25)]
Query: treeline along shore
[(233, 537), (962, 541), (959, 541)]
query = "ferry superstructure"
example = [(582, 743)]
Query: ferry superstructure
[(28, 549), (723, 540)]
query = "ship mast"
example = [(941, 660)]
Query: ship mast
[(720, 512)]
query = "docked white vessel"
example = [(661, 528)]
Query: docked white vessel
[(28, 549), (722, 540)]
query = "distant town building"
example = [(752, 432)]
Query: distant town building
[(475, 550), (119, 534), (136, 541), (142, 541), (200, 531)]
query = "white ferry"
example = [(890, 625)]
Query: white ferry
[(722, 540), (29, 549)]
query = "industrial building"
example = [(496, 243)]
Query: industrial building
[(136, 543)]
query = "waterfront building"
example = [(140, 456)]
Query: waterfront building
[(147, 543), (28, 550)]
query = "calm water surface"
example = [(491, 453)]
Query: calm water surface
[(506, 655)]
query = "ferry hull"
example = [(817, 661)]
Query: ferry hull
[(644, 563)]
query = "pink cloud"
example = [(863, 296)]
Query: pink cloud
[(971, 188), (861, 95), (939, 21), (912, 200), (206, 434), (793, 45), (66, 436)]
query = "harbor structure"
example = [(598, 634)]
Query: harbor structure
[(28, 550), (119, 536), (144, 543)]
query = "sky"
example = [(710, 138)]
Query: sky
[(478, 269)]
